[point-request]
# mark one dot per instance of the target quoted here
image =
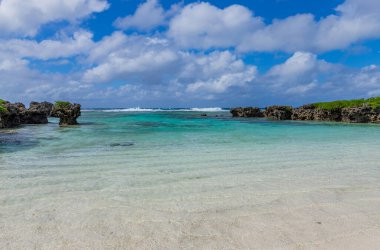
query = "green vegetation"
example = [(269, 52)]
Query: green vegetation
[(372, 102), (62, 104), (288, 108), (2, 108)]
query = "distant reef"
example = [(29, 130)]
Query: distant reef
[(15, 114), (351, 111)]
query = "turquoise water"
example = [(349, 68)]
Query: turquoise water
[(170, 180)]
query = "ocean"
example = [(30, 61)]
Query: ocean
[(174, 179)]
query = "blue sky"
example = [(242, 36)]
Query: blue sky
[(128, 53)]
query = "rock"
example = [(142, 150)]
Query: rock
[(247, 112), (310, 113), (278, 112), (10, 114), (304, 113), (37, 113), (203, 115), (363, 114), (15, 114), (66, 112), (124, 144)]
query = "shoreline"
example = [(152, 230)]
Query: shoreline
[(349, 111)]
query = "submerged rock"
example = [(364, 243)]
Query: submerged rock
[(247, 112), (123, 144), (66, 112), (278, 112)]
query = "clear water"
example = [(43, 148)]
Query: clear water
[(176, 180)]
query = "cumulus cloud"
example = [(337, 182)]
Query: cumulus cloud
[(20, 82), (303, 77), (294, 33), (216, 72), (154, 61), (19, 17), (164, 66), (204, 26), (299, 74), (136, 58), (148, 15), (64, 46)]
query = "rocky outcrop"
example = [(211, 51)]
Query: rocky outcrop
[(310, 113), (10, 114), (67, 113), (37, 113), (15, 114), (247, 112), (361, 114), (278, 112)]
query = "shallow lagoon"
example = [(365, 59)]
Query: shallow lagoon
[(170, 180)]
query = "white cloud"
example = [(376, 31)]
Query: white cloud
[(365, 81), (301, 89), (202, 25), (163, 66), (304, 75), (294, 33), (300, 65), (154, 61), (64, 46), (299, 74), (132, 57), (148, 15), (20, 17), (216, 72), (356, 20)]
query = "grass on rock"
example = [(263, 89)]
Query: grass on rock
[(373, 102), (3, 109), (62, 104)]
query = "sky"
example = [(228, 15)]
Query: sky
[(169, 53)]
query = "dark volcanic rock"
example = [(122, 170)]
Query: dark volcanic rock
[(247, 112), (37, 113), (306, 113), (67, 113), (124, 144), (310, 113), (278, 112), (10, 117), (361, 114), (334, 115), (15, 114)]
